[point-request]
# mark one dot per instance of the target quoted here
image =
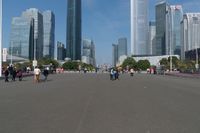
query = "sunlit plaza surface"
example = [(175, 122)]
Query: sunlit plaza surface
[(91, 103)]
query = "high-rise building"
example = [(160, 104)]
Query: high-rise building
[(152, 38), (74, 29), (190, 32), (161, 8), (34, 14), (49, 34), (139, 27), (88, 54), (22, 38), (61, 51), (174, 16), (114, 54), (122, 47)]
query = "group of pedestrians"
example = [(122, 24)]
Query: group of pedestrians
[(37, 73), (114, 74), (11, 71)]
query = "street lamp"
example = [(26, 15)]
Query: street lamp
[(1, 11)]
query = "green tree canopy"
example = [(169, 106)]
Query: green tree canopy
[(129, 62), (143, 64)]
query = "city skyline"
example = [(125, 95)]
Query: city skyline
[(99, 22)]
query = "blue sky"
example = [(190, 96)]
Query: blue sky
[(104, 21)]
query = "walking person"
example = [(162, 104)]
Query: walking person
[(111, 74), (37, 74), (6, 74), (19, 74), (117, 74), (14, 74), (132, 72), (45, 73)]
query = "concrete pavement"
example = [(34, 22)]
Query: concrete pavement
[(90, 103)]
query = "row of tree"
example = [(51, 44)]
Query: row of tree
[(70, 65), (177, 64), (140, 65)]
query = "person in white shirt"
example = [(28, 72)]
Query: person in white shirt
[(37, 74)]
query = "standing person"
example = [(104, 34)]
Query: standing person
[(10, 68), (117, 74), (45, 73), (6, 74), (14, 74), (111, 74), (19, 74), (37, 74)]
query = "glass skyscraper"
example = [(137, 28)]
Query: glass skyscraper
[(88, 54), (139, 27), (161, 9), (61, 51), (114, 54), (34, 14), (190, 32), (152, 39), (22, 38), (74, 31), (122, 47), (49, 31), (174, 17)]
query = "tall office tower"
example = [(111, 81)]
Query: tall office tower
[(74, 29), (152, 38), (33, 13), (22, 38), (174, 17), (49, 34), (88, 54), (61, 51), (114, 54), (1, 36), (190, 32), (139, 27), (161, 8), (122, 47)]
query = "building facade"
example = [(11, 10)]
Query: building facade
[(61, 51), (34, 14), (1, 36), (22, 38), (139, 27), (88, 52), (122, 47), (74, 30), (174, 17), (190, 32), (114, 54), (161, 9), (49, 34), (152, 39)]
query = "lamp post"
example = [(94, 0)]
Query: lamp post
[(1, 10)]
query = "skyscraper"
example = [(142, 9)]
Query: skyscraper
[(174, 16), (61, 51), (22, 38), (122, 47), (139, 27), (74, 29), (190, 32), (161, 8), (88, 54), (114, 54), (34, 14), (49, 34), (152, 39)]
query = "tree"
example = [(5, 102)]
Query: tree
[(143, 64), (129, 62), (164, 62), (71, 65), (48, 61)]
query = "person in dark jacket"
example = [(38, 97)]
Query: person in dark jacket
[(19, 74), (6, 74), (45, 73), (14, 74)]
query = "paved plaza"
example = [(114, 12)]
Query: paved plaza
[(91, 103)]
